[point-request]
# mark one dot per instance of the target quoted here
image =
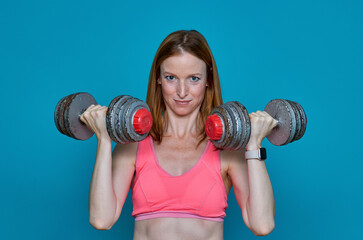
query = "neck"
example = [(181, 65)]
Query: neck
[(181, 127)]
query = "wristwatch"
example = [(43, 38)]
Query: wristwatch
[(259, 154)]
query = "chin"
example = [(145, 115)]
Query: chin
[(180, 112), (183, 112)]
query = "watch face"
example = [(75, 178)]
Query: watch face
[(263, 153)]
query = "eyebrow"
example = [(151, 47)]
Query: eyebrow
[(189, 74)]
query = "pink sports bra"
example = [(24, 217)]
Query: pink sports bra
[(198, 193)]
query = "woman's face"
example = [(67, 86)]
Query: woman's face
[(183, 80)]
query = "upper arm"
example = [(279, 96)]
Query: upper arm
[(123, 169), (238, 174)]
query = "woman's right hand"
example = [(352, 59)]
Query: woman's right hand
[(95, 119)]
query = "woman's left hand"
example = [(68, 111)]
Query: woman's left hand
[(261, 126)]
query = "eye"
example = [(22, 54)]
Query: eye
[(195, 79), (169, 77)]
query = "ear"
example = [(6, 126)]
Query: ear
[(158, 81)]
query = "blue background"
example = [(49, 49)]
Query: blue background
[(308, 51)]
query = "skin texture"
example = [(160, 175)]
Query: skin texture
[(183, 82)]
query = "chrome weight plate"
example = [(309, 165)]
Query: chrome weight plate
[(62, 109), (242, 128), (304, 121), (78, 103), (111, 120), (282, 111), (124, 116), (223, 142), (129, 120), (119, 108), (116, 126), (235, 124), (245, 123), (57, 114), (298, 119)]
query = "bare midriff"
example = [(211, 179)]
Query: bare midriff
[(178, 229)]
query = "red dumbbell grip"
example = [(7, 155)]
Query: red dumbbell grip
[(142, 121), (214, 127)]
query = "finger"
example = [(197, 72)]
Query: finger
[(92, 106), (266, 115), (275, 122), (88, 111), (95, 109), (98, 107), (270, 118), (260, 114), (83, 119), (253, 115), (101, 110), (105, 109)]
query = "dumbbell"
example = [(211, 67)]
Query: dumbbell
[(128, 119), (228, 126)]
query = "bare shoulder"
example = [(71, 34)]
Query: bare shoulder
[(234, 165), (231, 159), (125, 153), (232, 168), (123, 167)]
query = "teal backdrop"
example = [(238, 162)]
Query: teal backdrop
[(307, 51)]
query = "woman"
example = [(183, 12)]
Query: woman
[(179, 180)]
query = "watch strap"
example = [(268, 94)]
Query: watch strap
[(259, 154)]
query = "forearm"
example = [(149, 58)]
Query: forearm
[(102, 198), (260, 203)]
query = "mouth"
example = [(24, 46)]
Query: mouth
[(182, 102)]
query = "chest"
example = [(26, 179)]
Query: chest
[(178, 158)]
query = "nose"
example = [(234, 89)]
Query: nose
[(183, 89)]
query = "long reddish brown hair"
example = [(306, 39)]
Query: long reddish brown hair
[(176, 43)]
